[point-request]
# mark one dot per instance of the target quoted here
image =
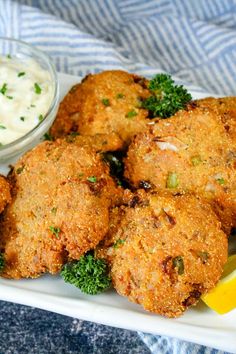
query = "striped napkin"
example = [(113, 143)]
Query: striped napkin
[(194, 40)]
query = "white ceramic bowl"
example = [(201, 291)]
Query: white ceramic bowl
[(21, 50)]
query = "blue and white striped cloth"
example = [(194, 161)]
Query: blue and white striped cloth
[(194, 40)]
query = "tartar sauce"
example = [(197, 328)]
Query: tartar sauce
[(26, 93)]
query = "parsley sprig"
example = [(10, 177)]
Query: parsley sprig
[(166, 98)]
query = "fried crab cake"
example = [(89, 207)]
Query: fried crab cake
[(226, 108), (5, 194), (190, 152), (164, 251), (61, 195), (104, 103)]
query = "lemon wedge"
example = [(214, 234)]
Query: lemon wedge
[(222, 298)]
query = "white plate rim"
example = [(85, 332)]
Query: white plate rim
[(220, 337)]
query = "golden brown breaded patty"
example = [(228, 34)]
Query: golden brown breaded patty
[(226, 108), (61, 195), (190, 152), (104, 103), (5, 194), (164, 251)]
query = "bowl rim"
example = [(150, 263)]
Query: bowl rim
[(55, 99)]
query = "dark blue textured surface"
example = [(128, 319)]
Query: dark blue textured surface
[(28, 330)]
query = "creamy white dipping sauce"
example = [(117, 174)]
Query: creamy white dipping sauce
[(26, 93)]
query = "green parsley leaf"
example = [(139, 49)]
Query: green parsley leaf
[(166, 97), (3, 89), (120, 95), (22, 118), (118, 243), (131, 114), (19, 170), (37, 88), (41, 117), (22, 73), (2, 261), (48, 136), (2, 126), (89, 274), (8, 56), (106, 102)]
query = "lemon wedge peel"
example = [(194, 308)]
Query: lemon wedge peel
[(222, 298)]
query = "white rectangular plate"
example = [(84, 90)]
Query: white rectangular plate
[(199, 324)]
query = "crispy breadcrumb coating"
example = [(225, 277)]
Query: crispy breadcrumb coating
[(189, 152), (61, 195), (104, 103), (164, 251)]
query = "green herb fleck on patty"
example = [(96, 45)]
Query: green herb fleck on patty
[(120, 95), (19, 170), (131, 114), (172, 180), (179, 264), (2, 261), (118, 243), (196, 160), (221, 181), (92, 179), (55, 230), (106, 102)]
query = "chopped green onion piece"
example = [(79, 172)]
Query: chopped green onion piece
[(196, 160), (2, 126), (8, 56), (40, 117), (118, 243), (22, 118), (92, 179), (55, 230), (54, 210), (221, 181), (179, 264), (172, 180)]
